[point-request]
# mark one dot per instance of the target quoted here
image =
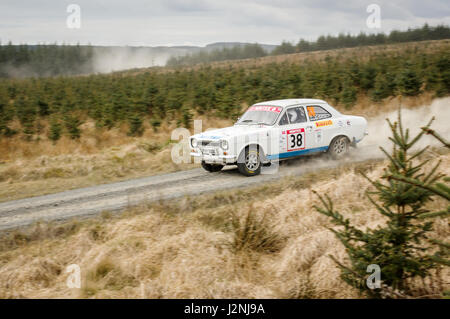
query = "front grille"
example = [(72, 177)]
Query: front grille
[(209, 143), (210, 151)]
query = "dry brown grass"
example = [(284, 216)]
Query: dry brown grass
[(30, 168), (263, 242), (367, 108)]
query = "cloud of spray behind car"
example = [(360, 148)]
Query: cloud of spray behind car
[(413, 119)]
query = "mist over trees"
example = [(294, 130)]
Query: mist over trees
[(111, 100)]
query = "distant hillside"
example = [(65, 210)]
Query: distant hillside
[(229, 45), (244, 51)]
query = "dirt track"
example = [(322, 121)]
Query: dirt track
[(85, 202)]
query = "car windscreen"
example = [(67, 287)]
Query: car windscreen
[(259, 114)]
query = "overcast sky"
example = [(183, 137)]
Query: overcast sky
[(199, 22)]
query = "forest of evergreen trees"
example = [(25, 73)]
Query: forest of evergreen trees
[(323, 43), (238, 52), (153, 97), (45, 60)]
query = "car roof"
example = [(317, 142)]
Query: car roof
[(289, 102)]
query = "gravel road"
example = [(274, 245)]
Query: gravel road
[(89, 201)]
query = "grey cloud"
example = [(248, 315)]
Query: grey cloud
[(178, 22)]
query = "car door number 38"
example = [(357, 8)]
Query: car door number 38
[(295, 139)]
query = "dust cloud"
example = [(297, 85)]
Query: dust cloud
[(107, 60), (412, 119)]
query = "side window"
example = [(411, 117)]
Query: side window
[(284, 120), (296, 115), (317, 113)]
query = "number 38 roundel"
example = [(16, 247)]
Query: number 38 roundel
[(295, 139)]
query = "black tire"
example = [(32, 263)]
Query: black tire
[(339, 147), (249, 163), (212, 167)]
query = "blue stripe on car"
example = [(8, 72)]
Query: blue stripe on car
[(295, 153)]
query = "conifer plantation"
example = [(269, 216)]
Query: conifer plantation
[(175, 95)]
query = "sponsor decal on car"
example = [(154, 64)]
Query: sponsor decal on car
[(264, 108), (324, 123), (295, 139), (318, 136), (311, 111)]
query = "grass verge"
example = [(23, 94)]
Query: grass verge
[(258, 242)]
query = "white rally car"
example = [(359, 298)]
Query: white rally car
[(276, 130)]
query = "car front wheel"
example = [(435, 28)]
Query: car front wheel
[(250, 163), (212, 167), (339, 147)]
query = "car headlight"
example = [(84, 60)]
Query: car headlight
[(224, 144), (194, 142)]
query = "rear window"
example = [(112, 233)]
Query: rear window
[(316, 113)]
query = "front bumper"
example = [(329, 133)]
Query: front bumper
[(215, 159)]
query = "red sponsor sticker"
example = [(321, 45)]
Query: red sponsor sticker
[(265, 108)]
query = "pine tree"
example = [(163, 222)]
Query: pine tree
[(400, 246), (55, 130), (284, 48), (384, 87), (26, 112), (186, 117), (5, 113), (409, 82), (135, 122), (348, 94), (439, 189), (43, 107), (72, 124), (155, 123)]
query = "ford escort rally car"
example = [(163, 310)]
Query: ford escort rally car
[(276, 130)]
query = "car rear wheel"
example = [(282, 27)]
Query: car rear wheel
[(339, 147), (250, 163), (212, 167)]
